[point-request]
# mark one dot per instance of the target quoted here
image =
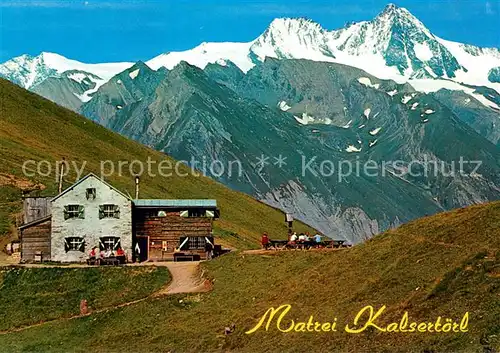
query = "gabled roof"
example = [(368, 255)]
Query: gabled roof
[(85, 178), (153, 203), (35, 222)]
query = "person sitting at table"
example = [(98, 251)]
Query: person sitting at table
[(307, 237), (317, 238), (265, 241), (92, 256), (93, 253), (121, 255), (302, 237)]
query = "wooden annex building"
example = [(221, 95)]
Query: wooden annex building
[(35, 240), (165, 227)]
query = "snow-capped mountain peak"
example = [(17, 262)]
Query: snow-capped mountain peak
[(394, 17), (400, 41), (291, 38), (28, 71), (393, 45)]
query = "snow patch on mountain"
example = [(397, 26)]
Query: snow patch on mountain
[(406, 99), (77, 77), (284, 106), (367, 82), (422, 51), (305, 119), (427, 86), (134, 74), (352, 148), (348, 125), (87, 95), (221, 62)]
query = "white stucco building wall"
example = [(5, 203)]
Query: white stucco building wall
[(89, 226)]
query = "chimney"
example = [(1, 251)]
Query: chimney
[(137, 187)]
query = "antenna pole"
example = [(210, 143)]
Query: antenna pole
[(61, 175), (137, 187)]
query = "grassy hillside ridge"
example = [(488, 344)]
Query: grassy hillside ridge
[(442, 265), (32, 295), (33, 128)]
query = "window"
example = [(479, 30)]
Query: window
[(109, 243), (74, 211), (109, 211), (194, 243), (91, 194), (195, 213), (74, 244)]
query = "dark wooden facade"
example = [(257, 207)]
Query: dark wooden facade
[(160, 233), (35, 240)]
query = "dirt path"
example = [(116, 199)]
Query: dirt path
[(187, 277), (278, 251)]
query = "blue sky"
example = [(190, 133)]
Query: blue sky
[(131, 30)]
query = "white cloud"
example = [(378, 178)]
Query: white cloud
[(489, 8)]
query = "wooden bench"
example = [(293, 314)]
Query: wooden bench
[(178, 257), (112, 260)]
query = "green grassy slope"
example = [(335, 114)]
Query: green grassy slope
[(443, 265), (32, 295), (33, 128)]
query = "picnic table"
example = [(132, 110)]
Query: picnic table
[(285, 244), (278, 244), (109, 260)]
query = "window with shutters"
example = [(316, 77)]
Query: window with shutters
[(109, 211), (109, 243), (74, 244), (192, 243), (74, 211)]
